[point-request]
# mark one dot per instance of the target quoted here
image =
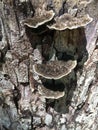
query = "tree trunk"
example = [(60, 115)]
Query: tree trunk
[(31, 101)]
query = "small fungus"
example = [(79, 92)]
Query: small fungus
[(84, 2), (78, 3), (66, 21), (54, 69), (50, 94), (39, 19)]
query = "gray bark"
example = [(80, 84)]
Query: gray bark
[(22, 107)]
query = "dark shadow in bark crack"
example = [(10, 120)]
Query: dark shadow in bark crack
[(53, 85)]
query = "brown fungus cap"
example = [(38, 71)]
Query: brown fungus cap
[(50, 94), (55, 69), (39, 19), (66, 21)]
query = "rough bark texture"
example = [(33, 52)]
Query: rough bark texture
[(22, 107)]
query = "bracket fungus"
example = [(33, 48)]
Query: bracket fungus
[(54, 69), (66, 21), (39, 19), (50, 94)]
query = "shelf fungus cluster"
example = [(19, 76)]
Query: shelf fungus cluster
[(64, 21), (53, 70)]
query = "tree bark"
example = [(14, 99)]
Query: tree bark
[(22, 107)]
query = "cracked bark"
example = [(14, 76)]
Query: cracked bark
[(21, 105)]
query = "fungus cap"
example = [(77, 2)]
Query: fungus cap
[(50, 94), (54, 69), (66, 21), (73, 3), (39, 19), (85, 2)]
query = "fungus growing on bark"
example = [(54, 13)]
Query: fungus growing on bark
[(39, 19), (50, 94), (66, 21), (84, 2), (55, 69)]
